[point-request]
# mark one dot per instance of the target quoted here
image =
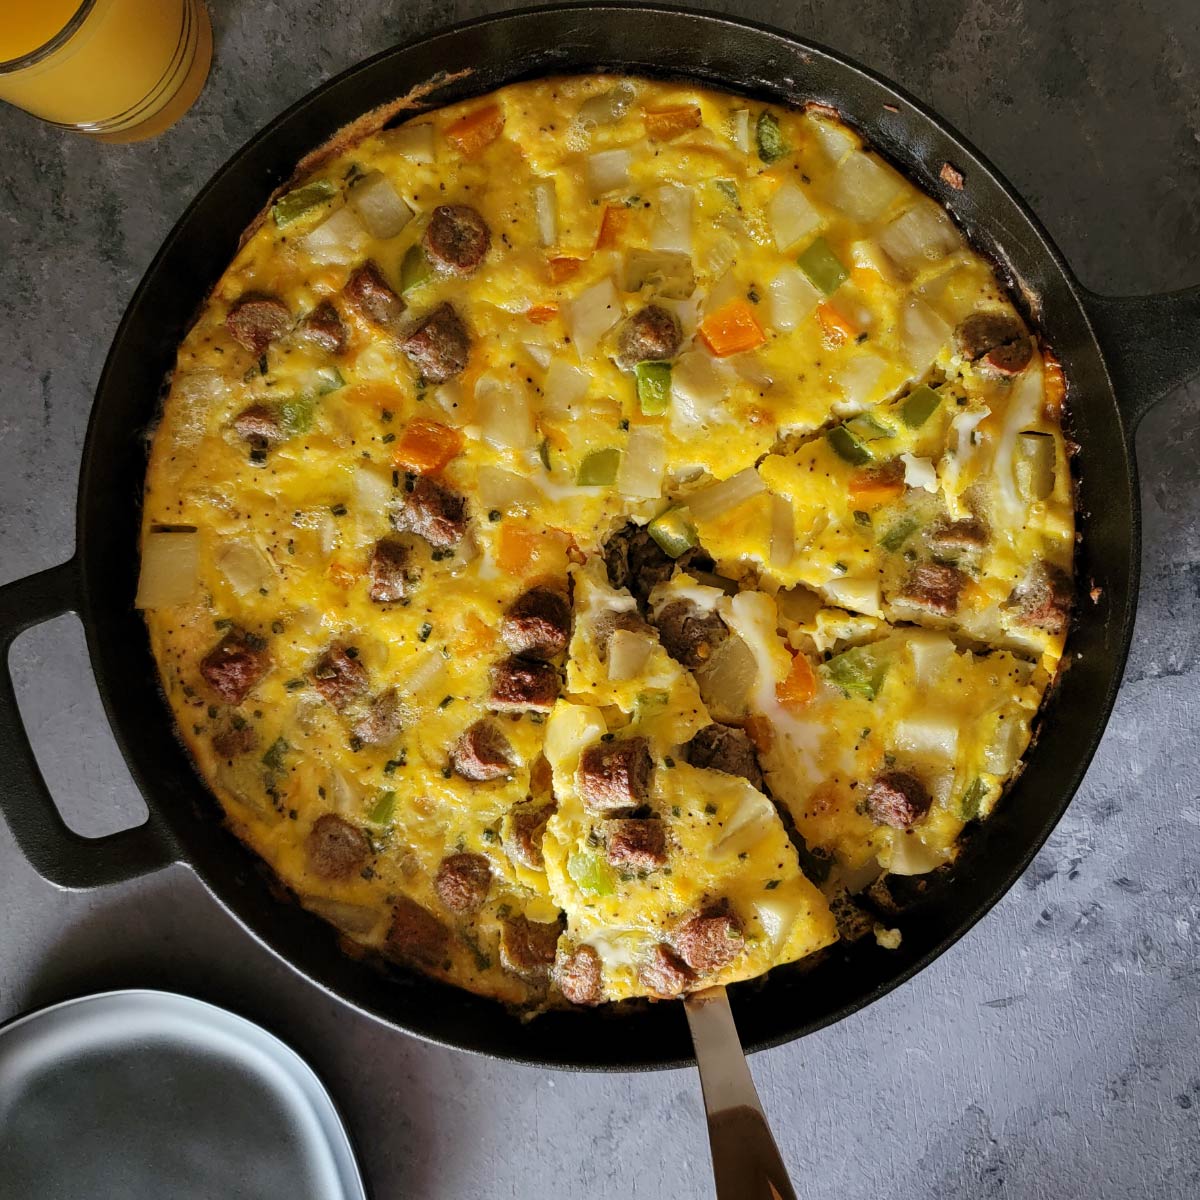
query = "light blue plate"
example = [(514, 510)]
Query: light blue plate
[(143, 1094)]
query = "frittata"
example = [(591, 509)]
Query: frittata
[(596, 530)]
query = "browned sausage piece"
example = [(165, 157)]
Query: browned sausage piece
[(636, 561), (967, 534), (688, 633), (995, 340), (1043, 598), (234, 665), (635, 844), (392, 573), (259, 425), (439, 346), (898, 799), (462, 882), (710, 940), (664, 974), (523, 839), (416, 934), (521, 684), (482, 753), (369, 292), (339, 676), (432, 512), (934, 587), (527, 947), (538, 624), (853, 921), (335, 848), (578, 976), (725, 748), (650, 335), (256, 321), (382, 721), (614, 776), (234, 740), (324, 328), (456, 239)]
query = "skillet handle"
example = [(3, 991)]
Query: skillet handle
[(1151, 345), (53, 849)]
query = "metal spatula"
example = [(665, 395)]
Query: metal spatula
[(746, 1161)]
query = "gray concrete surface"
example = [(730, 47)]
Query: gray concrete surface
[(1054, 1052)]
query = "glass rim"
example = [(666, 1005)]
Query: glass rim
[(63, 36)]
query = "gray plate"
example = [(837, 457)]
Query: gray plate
[(134, 1094)]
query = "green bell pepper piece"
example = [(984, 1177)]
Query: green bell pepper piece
[(599, 469), (591, 874), (847, 447), (673, 531), (857, 671), (295, 204), (384, 810), (653, 387), (769, 138), (899, 533), (1034, 465), (867, 428), (919, 406)]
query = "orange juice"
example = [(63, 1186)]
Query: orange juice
[(117, 69)]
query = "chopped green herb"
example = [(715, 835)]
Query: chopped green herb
[(544, 453), (772, 884), (768, 138), (445, 701), (899, 533), (389, 767), (711, 809), (273, 759), (972, 799), (424, 632), (862, 518), (294, 685), (495, 514), (728, 189), (338, 510), (384, 810)]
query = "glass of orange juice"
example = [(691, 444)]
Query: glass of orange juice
[(120, 70)]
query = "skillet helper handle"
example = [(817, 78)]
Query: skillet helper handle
[(53, 849), (1151, 345), (746, 1161)]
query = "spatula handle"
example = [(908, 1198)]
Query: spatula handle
[(746, 1161)]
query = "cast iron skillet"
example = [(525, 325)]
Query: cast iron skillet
[(1120, 356)]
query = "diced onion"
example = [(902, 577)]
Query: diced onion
[(722, 254), (927, 732), (1007, 744), (714, 501), (504, 411), (923, 333), (372, 489), (564, 385), (627, 654), (783, 532), (919, 473), (503, 490), (673, 224), (170, 565), (910, 856), (245, 567), (643, 463), (739, 129), (426, 674), (338, 239), (699, 384), (379, 362), (379, 206), (931, 654), (791, 216), (608, 170), (687, 311), (919, 237), (349, 918), (859, 381), (747, 825), (539, 352), (545, 200), (665, 272), (862, 187), (728, 288), (791, 298), (448, 397), (858, 595), (726, 680), (833, 138), (415, 142), (592, 314)]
